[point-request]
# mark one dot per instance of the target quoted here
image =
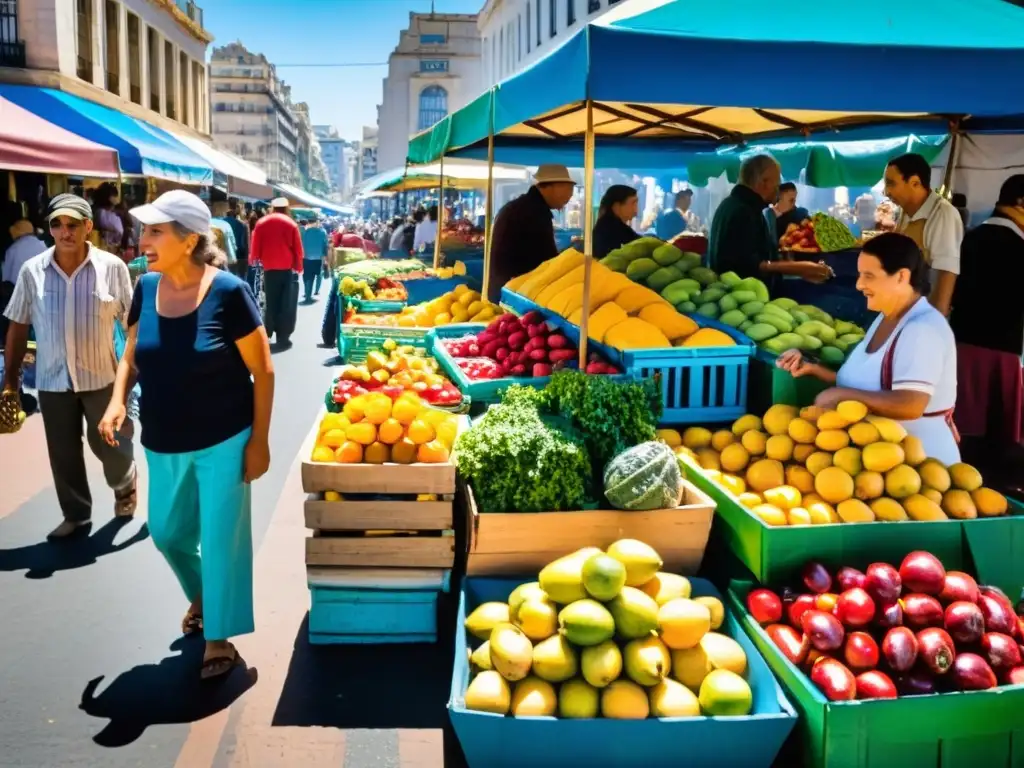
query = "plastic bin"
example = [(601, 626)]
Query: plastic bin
[(770, 385), (698, 384), (494, 741), (376, 307), (949, 730), (996, 545), (422, 289), (355, 342)]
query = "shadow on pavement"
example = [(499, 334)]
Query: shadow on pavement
[(161, 694), (42, 560)]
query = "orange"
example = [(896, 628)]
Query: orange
[(333, 438), (390, 431), (405, 410), (349, 453), (322, 453), (446, 432), (362, 433), (420, 432), (376, 453), (433, 452), (378, 409), (404, 451), (353, 409)]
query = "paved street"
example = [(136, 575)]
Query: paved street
[(93, 671)]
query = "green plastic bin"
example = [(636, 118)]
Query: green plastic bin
[(996, 545), (355, 342), (950, 730), (770, 385)]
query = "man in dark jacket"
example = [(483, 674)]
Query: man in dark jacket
[(524, 230)]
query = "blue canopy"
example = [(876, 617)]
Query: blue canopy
[(949, 61), (142, 148)]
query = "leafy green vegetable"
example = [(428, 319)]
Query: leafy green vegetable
[(612, 416), (520, 460)]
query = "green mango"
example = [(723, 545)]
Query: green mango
[(711, 294), (710, 309), (799, 316), (660, 278), (784, 302), (689, 261), (731, 279), (776, 345), (744, 325), (727, 303), (772, 309), (677, 292), (640, 269), (753, 284), (810, 343), (744, 297), (615, 262), (773, 320), (733, 318), (752, 308), (817, 330), (831, 355), (667, 254), (686, 307), (761, 331), (703, 275)]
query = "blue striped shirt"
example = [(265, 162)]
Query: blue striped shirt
[(73, 317)]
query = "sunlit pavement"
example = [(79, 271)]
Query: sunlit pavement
[(93, 671)]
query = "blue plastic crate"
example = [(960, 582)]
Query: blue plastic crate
[(698, 384), (422, 289), (494, 741), (346, 615)]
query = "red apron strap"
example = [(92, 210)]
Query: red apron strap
[(887, 363)]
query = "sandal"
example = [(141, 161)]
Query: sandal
[(192, 623), (217, 667), (126, 500)]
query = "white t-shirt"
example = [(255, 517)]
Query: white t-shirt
[(924, 361), (426, 233), (943, 232)]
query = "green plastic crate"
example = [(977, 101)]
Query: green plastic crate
[(770, 385), (996, 545), (950, 730), (774, 553), (355, 342)]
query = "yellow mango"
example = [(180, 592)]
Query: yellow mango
[(709, 337), (635, 297), (576, 318), (574, 277), (549, 271), (605, 317), (513, 284), (674, 325), (634, 333)]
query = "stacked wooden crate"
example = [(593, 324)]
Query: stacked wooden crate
[(381, 550)]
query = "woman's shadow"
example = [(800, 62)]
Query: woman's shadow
[(162, 694), (42, 560)]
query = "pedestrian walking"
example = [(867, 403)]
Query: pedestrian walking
[(73, 295), (194, 334), (277, 247), (314, 249)]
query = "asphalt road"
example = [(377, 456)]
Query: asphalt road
[(93, 671)]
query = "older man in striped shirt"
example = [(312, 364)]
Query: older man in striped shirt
[(72, 294)]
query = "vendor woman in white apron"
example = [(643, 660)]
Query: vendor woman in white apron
[(905, 368)]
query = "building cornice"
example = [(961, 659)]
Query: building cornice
[(194, 29)]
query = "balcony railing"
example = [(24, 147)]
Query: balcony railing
[(12, 54), (191, 10)]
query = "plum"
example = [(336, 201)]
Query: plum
[(816, 577), (1000, 651), (765, 606), (922, 572), (935, 648), (964, 622), (959, 587), (794, 646), (823, 630), (834, 679), (922, 611), (875, 685), (848, 578), (861, 651), (899, 647), (883, 583), (972, 673)]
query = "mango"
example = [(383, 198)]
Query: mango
[(533, 697), (756, 443), (488, 692), (714, 605), (881, 457), (682, 623), (640, 559), (832, 440), (646, 660), (511, 652), (734, 458), (784, 497), (855, 511), (578, 700), (709, 337), (890, 430), (603, 577), (989, 503), (888, 509), (601, 664), (624, 700), (554, 660), (586, 622), (817, 461), (640, 269), (770, 514), (661, 278), (779, 447), (802, 431), (922, 509), (964, 477), (635, 613), (959, 505), (481, 657), (777, 419), (934, 475), (537, 617), (913, 451), (834, 485), (666, 586), (800, 478), (849, 460), (746, 423), (725, 694), (821, 512), (868, 485), (485, 617), (522, 593), (902, 481), (667, 254), (672, 699), (722, 438), (864, 433)]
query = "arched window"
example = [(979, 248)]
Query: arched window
[(433, 106)]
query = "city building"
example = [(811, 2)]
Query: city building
[(340, 157), (515, 33), (309, 156), (367, 166), (435, 69), (253, 115), (146, 58)]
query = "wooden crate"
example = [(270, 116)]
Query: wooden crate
[(360, 515), (503, 543), (374, 605), (434, 550), (318, 477)]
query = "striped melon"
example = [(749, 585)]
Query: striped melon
[(644, 477)]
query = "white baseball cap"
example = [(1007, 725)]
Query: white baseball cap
[(178, 206), (279, 202)]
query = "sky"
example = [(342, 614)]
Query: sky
[(325, 32)]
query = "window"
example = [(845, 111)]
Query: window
[(593, 6), (110, 11), (184, 71), (501, 53), (553, 17), (171, 92), (83, 19), (153, 41), (134, 60), (519, 38), (539, 40), (433, 106), (529, 29), (570, 12)]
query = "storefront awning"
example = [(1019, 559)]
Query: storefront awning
[(142, 148), (307, 198), (29, 143), (243, 178)]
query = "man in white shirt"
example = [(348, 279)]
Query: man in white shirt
[(25, 246), (72, 294), (426, 230), (929, 220)]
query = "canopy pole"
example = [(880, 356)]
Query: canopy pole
[(954, 157), (488, 214), (588, 228), (440, 217)]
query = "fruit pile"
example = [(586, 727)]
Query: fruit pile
[(623, 315), (460, 305), (821, 233), (373, 429), (394, 370), (815, 467), (888, 632), (606, 634), (384, 289), (372, 270), (519, 346), (458, 269)]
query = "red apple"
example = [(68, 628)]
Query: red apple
[(823, 630), (922, 572), (848, 578), (958, 587), (964, 622), (794, 646), (899, 647), (855, 608), (972, 673), (765, 606), (998, 613), (861, 651), (800, 605), (875, 685), (834, 680), (1000, 651), (935, 648), (816, 577), (883, 583), (922, 611), (890, 615)]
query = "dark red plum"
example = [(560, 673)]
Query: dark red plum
[(899, 647), (935, 648), (922, 572), (922, 611), (972, 673), (964, 622), (883, 583)]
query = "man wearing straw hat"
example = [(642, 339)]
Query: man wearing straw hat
[(524, 231), (277, 246)]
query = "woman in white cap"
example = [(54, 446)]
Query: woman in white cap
[(194, 329)]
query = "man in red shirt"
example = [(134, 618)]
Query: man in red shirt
[(277, 246)]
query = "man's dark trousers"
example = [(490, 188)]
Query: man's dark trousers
[(281, 287)]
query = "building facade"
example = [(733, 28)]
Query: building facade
[(339, 158), (435, 69), (516, 33), (309, 155), (367, 165), (252, 113), (146, 58)]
